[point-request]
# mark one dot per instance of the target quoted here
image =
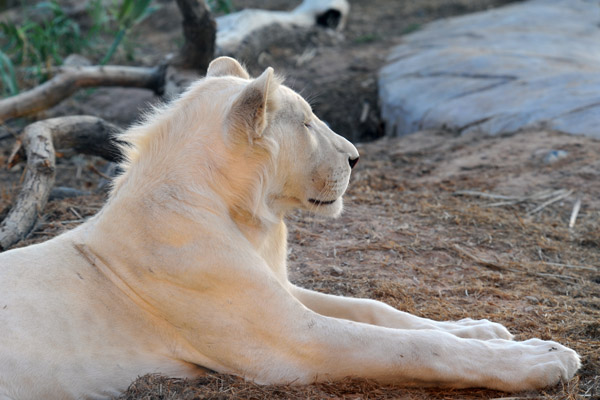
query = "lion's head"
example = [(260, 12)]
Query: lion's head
[(255, 142)]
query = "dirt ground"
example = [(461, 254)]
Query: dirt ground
[(410, 238), (418, 234), (425, 228)]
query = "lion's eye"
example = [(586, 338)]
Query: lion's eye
[(307, 124)]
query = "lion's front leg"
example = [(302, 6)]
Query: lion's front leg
[(378, 313), (266, 335)]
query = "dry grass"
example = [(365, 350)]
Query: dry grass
[(409, 239)]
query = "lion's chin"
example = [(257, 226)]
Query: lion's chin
[(329, 208)]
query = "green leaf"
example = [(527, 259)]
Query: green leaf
[(7, 74), (125, 11), (139, 6), (113, 47)]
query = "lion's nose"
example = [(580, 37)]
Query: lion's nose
[(352, 161)]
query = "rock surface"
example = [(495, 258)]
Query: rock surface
[(535, 63)]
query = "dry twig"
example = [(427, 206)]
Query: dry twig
[(584, 267), (575, 212), (560, 195), (485, 195), (552, 195), (487, 263)]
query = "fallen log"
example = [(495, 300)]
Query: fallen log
[(84, 134), (71, 79)]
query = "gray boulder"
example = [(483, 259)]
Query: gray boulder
[(535, 63)]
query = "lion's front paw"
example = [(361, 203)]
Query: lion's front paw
[(478, 329), (539, 363)]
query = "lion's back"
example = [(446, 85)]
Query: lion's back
[(60, 323), (30, 273)]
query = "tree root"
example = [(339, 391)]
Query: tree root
[(85, 134)]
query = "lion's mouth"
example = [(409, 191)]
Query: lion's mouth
[(321, 202)]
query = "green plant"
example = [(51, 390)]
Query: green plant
[(221, 6), (411, 28), (130, 13), (41, 44), (7, 76), (100, 18), (29, 50), (367, 38)]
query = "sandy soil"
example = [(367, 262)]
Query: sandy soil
[(409, 238), (417, 232), (417, 235)]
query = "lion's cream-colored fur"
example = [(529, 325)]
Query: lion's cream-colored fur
[(185, 268)]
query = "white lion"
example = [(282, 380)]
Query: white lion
[(185, 268)]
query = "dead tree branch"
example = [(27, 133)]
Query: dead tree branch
[(85, 134), (71, 79), (91, 135), (200, 32)]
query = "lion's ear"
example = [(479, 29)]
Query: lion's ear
[(249, 111), (226, 66)]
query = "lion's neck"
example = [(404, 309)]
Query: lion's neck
[(269, 239), (175, 221)]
